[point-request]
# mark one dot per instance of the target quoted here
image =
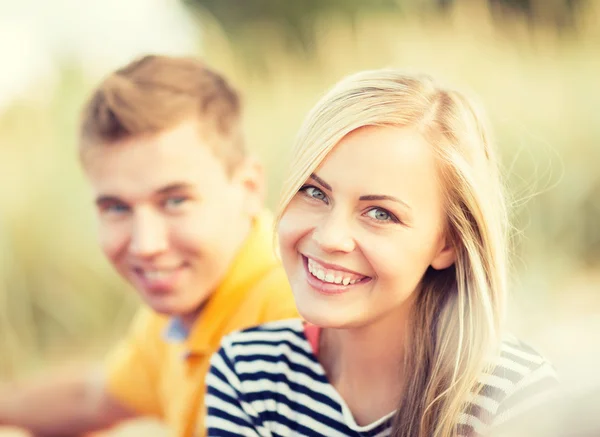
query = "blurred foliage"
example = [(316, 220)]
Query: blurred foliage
[(294, 21), (559, 13), (59, 296)]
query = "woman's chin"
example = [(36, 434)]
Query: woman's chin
[(325, 317)]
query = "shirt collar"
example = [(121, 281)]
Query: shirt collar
[(175, 331), (253, 260)]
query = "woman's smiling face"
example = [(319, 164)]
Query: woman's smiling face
[(359, 235)]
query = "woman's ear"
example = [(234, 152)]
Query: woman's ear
[(445, 256)]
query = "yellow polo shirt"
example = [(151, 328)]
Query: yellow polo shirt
[(165, 378)]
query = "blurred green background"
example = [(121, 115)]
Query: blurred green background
[(534, 64)]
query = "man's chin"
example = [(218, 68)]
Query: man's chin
[(165, 305), (170, 306)]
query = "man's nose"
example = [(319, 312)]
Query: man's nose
[(149, 235)]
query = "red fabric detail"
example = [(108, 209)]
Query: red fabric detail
[(312, 333)]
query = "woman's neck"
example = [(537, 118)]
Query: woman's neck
[(365, 364)]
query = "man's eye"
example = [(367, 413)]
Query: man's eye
[(174, 202), (116, 208)]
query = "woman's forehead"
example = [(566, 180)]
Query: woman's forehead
[(383, 154)]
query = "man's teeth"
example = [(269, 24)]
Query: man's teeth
[(156, 275), (331, 276)]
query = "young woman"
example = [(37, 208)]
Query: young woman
[(392, 231)]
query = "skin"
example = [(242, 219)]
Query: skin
[(165, 203), (381, 224), (171, 219)]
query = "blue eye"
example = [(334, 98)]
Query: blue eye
[(116, 208), (381, 215), (314, 192), (174, 202)]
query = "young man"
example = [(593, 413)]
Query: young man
[(180, 207)]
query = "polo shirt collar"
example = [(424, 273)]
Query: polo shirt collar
[(175, 331), (253, 260)]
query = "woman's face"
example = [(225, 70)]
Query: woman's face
[(359, 235)]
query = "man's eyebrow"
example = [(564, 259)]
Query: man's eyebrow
[(103, 200), (177, 186), (321, 181), (384, 197)]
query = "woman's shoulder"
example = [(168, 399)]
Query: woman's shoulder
[(268, 356), (519, 364), (282, 335), (269, 331), (521, 378)]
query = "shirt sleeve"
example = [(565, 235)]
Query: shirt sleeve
[(227, 414), (535, 393), (132, 367)]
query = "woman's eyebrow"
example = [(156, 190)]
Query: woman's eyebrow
[(321, 181), (384, 197)]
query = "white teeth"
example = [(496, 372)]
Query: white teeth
[(153, 276), (332, 277), (156, 275)]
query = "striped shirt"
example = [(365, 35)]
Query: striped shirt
[(267, 382)]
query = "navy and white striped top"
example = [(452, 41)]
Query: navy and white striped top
[(267, 382)]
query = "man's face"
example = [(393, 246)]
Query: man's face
[(171, 219)]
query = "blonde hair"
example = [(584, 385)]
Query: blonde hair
[(459, 311)]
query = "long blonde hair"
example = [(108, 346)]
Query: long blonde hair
[(458, 316)]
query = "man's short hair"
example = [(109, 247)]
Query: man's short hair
[(157, 92)]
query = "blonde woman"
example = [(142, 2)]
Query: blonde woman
[(392, 231)]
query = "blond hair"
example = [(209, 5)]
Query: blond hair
[(155, 93), (459, 311)]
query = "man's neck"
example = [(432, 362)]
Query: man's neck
[(188, 320)]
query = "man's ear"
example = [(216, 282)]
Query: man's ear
[(445, 256), (250, 176)]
